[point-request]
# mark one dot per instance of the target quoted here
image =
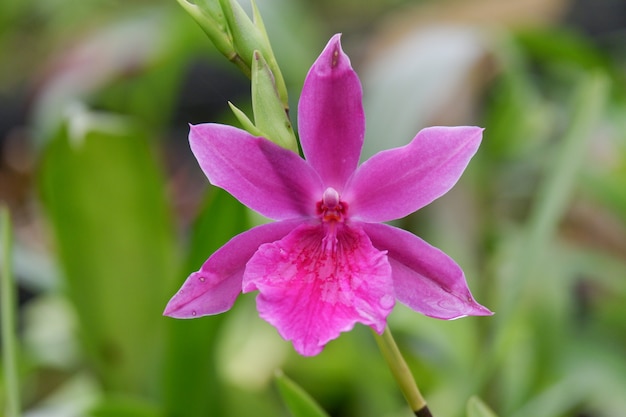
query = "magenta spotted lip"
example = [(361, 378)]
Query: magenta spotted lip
[(328, 261)]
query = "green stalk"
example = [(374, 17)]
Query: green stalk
[(9, 338), (402, 374)]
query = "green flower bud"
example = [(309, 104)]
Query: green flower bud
[(209, 15), (270, 116), (249, 36), (269, 56)]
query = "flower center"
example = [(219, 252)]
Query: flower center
[(331, 208)]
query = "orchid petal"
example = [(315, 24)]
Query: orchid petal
[(312, 286), (397, 182), (214, 288), (331, 121), (424, 278), (265, 177)]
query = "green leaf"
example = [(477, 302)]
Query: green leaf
[(562, 46), (477, 408), (298, 401), (105, 198), (192, 385), (8, 304), (514, 94), (124, 407), (554, 194)]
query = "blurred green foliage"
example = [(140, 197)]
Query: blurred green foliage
[(117, 214)]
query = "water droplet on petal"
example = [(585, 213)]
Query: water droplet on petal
[(387, 301), (193, 313), (202, 279)]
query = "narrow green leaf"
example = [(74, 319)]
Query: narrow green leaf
[(8, 322), (124, 407), (298, 401), (477, 408), (553, 195), (192, 385), (105, 198)]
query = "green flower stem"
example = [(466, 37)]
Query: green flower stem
[(9, 342), (402, 373)]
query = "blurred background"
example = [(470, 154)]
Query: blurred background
[(111, 213)]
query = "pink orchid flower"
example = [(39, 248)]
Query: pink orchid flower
[(328, 261)]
